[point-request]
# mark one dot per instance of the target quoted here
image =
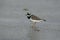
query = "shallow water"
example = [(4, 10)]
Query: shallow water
[(15, 26)]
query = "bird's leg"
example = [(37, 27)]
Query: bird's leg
[(34, 27)]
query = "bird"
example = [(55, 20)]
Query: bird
[(33, 18)]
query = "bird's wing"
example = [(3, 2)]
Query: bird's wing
[(35, 17)]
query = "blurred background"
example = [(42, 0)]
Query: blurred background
[(15, 26)]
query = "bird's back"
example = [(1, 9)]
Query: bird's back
[(35, 17)]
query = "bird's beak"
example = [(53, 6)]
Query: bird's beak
[(25, 14)]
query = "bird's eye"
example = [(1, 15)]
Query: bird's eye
[(28, 14)]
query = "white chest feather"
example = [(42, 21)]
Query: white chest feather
[(36, 20)]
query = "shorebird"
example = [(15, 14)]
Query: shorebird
[(33, 18)]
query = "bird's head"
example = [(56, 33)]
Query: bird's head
[(27, 12), (28, 15)]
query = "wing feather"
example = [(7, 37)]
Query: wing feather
[(35, 17)]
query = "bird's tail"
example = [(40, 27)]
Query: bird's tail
[(44, 20)]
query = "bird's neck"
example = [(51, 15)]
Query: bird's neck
[(28, 17)]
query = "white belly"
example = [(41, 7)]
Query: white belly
[(36, 20)]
